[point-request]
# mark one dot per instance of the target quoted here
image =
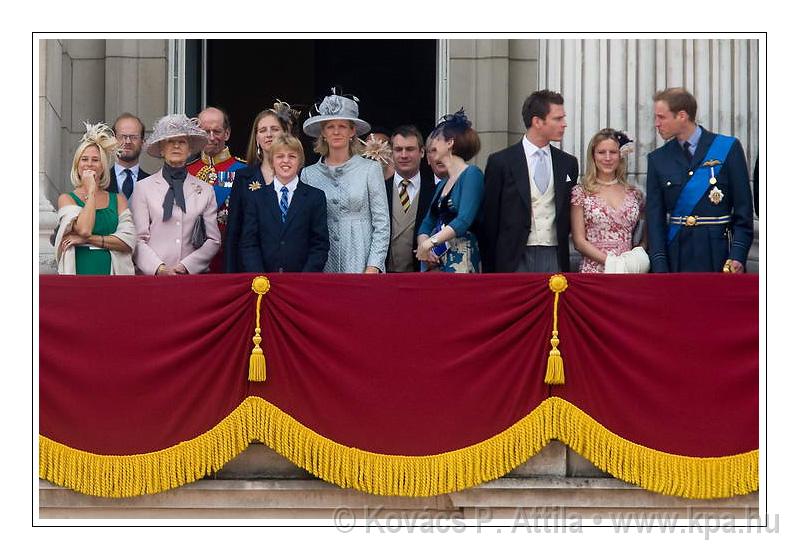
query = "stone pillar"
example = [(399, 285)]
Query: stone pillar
[(90, 80), (610, 82), (479, 82), (136, 82)]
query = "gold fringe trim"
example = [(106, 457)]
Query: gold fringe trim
[(673, 475), (119, 476)]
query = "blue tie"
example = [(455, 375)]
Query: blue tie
[(284, 204), (127, 185)]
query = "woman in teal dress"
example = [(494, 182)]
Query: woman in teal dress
[(95, 233), (447, 239)]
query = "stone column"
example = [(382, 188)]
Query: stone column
[(479, 82), (136, 82)]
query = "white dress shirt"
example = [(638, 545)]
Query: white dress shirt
[(292, 185), (530, 151), (412, 189), (120, 173)]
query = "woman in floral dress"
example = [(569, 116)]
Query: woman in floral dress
[(605, 207)]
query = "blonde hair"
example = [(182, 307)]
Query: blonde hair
[(290, 143), (321, 145), (590, 177), (101, 136)]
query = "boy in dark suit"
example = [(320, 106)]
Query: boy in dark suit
[(285, 226)]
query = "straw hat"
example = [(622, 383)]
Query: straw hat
[(172, 126)]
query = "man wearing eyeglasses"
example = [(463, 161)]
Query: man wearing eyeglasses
[(129, 131), (217, 167)]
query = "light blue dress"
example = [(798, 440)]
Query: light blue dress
[(358, 213)]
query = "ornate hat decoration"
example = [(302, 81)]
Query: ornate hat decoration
[(626, 144), (455, 122), (377, 150), (172, 126), (284, 112), (102, 136), (335, 107)]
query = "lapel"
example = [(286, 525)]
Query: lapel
[(706, 138), (272, 201), (519, 171), (112, 186), (559, 179), (425, 194)]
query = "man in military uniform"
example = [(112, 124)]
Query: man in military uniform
[(699, 205), (217, 167)]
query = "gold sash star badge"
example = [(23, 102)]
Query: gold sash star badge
[(254, 186), (716, 195)]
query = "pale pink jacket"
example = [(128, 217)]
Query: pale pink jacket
[(170, 242)]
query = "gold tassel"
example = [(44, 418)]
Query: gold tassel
[(258, 362), (555, 364)]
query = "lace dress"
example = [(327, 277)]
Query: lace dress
[(607, 228)]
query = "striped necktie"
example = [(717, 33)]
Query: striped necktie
[(284, 204), (404, 199)]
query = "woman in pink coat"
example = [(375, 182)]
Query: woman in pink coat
[(175, 213)]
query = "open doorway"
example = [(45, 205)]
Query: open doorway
[(394, 80)]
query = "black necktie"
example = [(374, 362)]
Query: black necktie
[(686, 152), (127, 185)]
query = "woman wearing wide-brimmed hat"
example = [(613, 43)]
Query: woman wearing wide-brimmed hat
[(95, 232), (358, 212), (175, 213)]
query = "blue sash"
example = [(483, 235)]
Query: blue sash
[(697, 185)]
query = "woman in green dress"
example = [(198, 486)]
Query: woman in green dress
[(95, 233)]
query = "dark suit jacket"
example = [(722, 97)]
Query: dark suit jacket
[(113, 187), (233, 227), (426, 189), (299, 245), (700, 248), (507, 207)]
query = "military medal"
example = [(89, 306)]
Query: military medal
[(212, 176), (716, 195), (711, 163), (226, 179), (254, 186)]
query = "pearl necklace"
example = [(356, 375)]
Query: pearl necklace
[(607, 184)]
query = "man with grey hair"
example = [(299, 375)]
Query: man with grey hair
[(217, 167)]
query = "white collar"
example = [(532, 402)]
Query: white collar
[(119, 170), (291, 185), (415, 180), (530, 148)]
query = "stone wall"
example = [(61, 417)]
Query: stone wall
[(90, 80)]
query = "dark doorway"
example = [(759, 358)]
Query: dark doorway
[(394, 80)]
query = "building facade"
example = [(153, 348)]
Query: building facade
[(605, 82)]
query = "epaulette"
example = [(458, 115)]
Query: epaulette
[(240, 159)]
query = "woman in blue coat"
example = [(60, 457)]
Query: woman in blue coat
[(447, 240)]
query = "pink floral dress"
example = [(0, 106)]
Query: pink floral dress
[(607, 228)]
